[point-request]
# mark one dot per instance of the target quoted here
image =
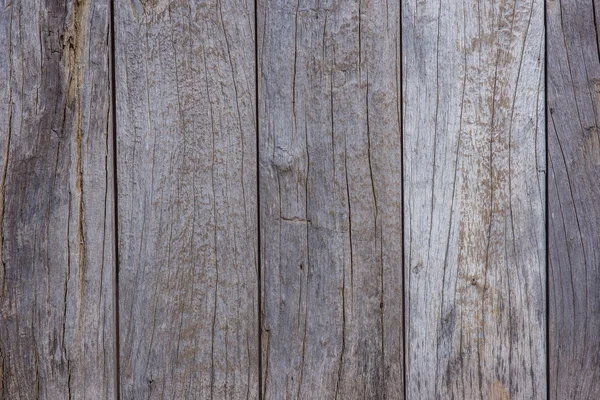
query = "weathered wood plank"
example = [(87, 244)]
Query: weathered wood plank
[(330, 199), (57, 319), (188, 289), (474, 199), (574, 198)]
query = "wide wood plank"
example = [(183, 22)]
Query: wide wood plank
[(473, 87), (188, 288), (574, 198), (330, 199), (57, 303)]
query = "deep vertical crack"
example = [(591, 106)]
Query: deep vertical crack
[(113, 94)]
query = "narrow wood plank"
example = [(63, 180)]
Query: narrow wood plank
[(574, 198), (188, 288), (57, 319), (475, 199), (331, 195)]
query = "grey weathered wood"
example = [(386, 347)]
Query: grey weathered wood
[(330, 199), (474, 199), (574, 198), (57, 316), (188, 289)]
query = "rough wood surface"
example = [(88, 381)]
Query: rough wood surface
[(57, 319), (574, 198), (188, 289), (474, 199), (330, 199)]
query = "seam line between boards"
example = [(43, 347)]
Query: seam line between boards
[(546, 205), (258, 221), (403, 230)]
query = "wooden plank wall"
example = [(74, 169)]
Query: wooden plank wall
[(475, 199), (573, 92), (331, 195), (310, 199), (57, 300), (186, 165)]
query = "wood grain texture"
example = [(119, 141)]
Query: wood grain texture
[(330, 199), (574, 198), (57, 319), (188, 288), (474, 199)]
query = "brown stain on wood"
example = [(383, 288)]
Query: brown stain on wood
[(75, 43), (499, 391)]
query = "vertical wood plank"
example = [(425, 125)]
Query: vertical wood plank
[(574, 198), (331, 195), (475, 199), (57, 319), (187, 199)]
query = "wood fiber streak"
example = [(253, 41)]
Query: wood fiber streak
[(57, 308), (574, 198), (330, 199), (474, 181), (187, 189)]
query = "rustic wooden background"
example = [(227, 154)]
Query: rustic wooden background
[(310, 199)]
